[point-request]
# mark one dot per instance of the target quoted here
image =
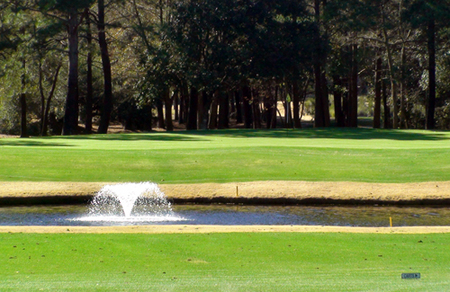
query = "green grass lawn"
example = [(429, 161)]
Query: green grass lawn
[(362, 155), (227, 262), (223, 262)]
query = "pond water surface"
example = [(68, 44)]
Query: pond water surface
[(364, 216)]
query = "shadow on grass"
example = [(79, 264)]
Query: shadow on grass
[(172, 136), (31, 143), (333, 133), (201, 135), (51, 141), (310, 133)]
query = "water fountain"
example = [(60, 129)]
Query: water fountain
[(145, 204), (130, 202)]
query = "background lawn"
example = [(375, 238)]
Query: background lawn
[(361, 155), (223, 262)]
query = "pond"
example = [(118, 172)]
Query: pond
[(362, 216)]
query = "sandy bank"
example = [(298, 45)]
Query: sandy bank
[(172, 229), (279, 192)]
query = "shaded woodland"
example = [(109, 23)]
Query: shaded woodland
[(76, 67)]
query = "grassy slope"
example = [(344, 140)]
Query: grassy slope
[(227, 262), (235, 155), (223, 262)]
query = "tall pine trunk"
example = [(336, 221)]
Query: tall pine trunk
[(168, 110), (337, 95), (248, 113), (160, 112), (202, 110), (431, 104), (270, 103), (256, 110), (237, 98), (41, 92), (377, 104), (23, 115), (176, 105), (49, 99), (403, 90), (23, 105), (90, 91), (387, 112), (353, 102), (224, 108), (192, 110), (322, 114), (184, 101), (71, 107), (392, 78), (107, 96), (296, 104), (212, 122), (319, 116)]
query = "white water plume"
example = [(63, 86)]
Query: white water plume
[(131, 202)]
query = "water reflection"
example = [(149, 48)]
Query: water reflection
[(374, 216), (243, 215)]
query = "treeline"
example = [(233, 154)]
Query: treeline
[(70, 67)]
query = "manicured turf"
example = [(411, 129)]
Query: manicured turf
[(227, 262), (362, 155), (223, 262)]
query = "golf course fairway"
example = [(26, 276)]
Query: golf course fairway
[(228, 261), (224, 262)]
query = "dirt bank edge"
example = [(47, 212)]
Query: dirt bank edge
[(177, 229), (261, 192)]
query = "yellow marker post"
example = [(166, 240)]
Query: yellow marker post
[(390, 221), (237, 195)]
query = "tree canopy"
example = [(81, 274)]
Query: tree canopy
[(76, 66)]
